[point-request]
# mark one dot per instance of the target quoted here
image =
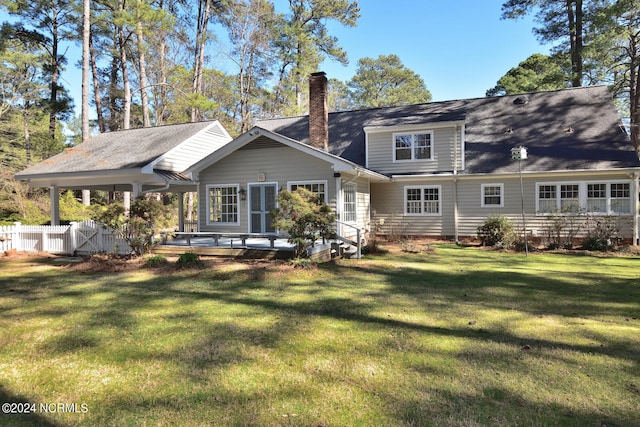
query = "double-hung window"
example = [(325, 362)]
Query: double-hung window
[(589, 197), (316, 187), (413, 146), (492, 195), (424, 200), (222, 204), (349, 213)]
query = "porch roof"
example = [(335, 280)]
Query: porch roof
[(151, 159)]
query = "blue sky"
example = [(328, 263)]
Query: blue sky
[(460, 48)]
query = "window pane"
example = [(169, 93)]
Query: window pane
[(596, 198), (422, 146), (569, 198), (620, 198), (403, 147), (349, 208), (431, 200), (492, 195), (547, 198), (223, 204), (414, 200)]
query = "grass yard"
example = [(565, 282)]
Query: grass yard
[(458, 337)]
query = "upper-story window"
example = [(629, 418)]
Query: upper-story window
[(413, 146)]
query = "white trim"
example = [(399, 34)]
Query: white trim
[(409, 127), (259, 184), (311, 182), (582, 195), (482, 195), (208, 204), (422, 188), (355, 202), (394, 149)]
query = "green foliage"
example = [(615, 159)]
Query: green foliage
[(189, 260), (303, 217), (536, 73), (497, 230), (385, 82), (155, 261), (139, 228), (602, 233), (304, 263), (562, 227)]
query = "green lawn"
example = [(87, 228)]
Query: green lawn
[(459, 337)]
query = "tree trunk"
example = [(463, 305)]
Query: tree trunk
[(96, 88), (146, 122), (574, 18), (55, 73), (27, 134), (86, 36), (634, 88), (204, 11)]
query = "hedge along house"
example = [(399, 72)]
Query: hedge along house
[(137, 160)]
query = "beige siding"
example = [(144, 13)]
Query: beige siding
[(387, 200), (388, 203), (279, 165), (446, 142), (363, 201)]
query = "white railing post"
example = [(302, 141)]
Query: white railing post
[(73, 239), (17, 235)]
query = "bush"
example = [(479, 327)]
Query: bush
[(139, 228), (602, 232), (562, 227), (155, 261), (189, 260), (497, 230), (303, 217)]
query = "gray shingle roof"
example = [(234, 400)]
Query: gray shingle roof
[(570, 129), (127, 149)]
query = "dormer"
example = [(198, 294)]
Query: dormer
[(415, 148)]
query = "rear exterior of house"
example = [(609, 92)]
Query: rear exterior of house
[(437, 169), (449, 164)]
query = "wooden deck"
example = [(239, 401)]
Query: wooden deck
[(227, 246)]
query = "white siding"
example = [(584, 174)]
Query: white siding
[(194, 149)]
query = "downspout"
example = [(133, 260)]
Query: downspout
[(455, 187)]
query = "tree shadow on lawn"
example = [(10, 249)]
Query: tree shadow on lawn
[(219, 343), (16, 419)]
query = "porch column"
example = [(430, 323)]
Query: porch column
[(338, 178), (54, 195), (181, 211), (137, 190)]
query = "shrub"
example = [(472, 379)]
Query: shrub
[(303, 217), (189, 260), (155, 261), (602, 232), (139, 228), (562, 227), (497, 230)]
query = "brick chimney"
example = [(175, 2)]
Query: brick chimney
[(318, 111)]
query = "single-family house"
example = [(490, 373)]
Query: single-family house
[(436, 169)]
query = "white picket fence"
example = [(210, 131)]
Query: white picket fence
[(81, 238)]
